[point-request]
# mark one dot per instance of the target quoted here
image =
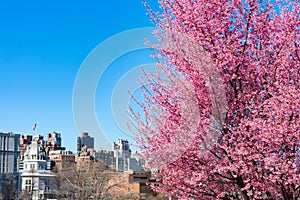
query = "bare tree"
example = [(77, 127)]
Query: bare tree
[(8, 187), (84, 182)]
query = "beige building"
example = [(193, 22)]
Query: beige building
[(130, 185), (85, 158), (61, 159)]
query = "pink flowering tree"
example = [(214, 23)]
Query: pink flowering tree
[(220, 119)]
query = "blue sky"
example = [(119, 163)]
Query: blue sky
[(42, 46)]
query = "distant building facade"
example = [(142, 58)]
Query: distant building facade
[(85, 140), (54, 142), (85, 158), (121, 158), (107, 158), (122, 153), (135, 163), (62, 159), (9, 161), (9, 152)]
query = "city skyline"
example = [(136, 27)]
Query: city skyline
[(43, 45)]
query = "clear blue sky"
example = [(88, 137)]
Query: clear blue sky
[(42, 46)]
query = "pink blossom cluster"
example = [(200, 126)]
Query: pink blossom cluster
[(220, 118)]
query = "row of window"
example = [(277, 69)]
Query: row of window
[(28, 185), (32, 166)]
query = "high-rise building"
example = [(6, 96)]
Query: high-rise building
[(9, 159), (121, 158), (122, 153), (85, 140), (9, 152), (54, 142)]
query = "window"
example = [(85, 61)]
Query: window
[(28, 185), (47, 188), (28, 188), (47, 185)]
